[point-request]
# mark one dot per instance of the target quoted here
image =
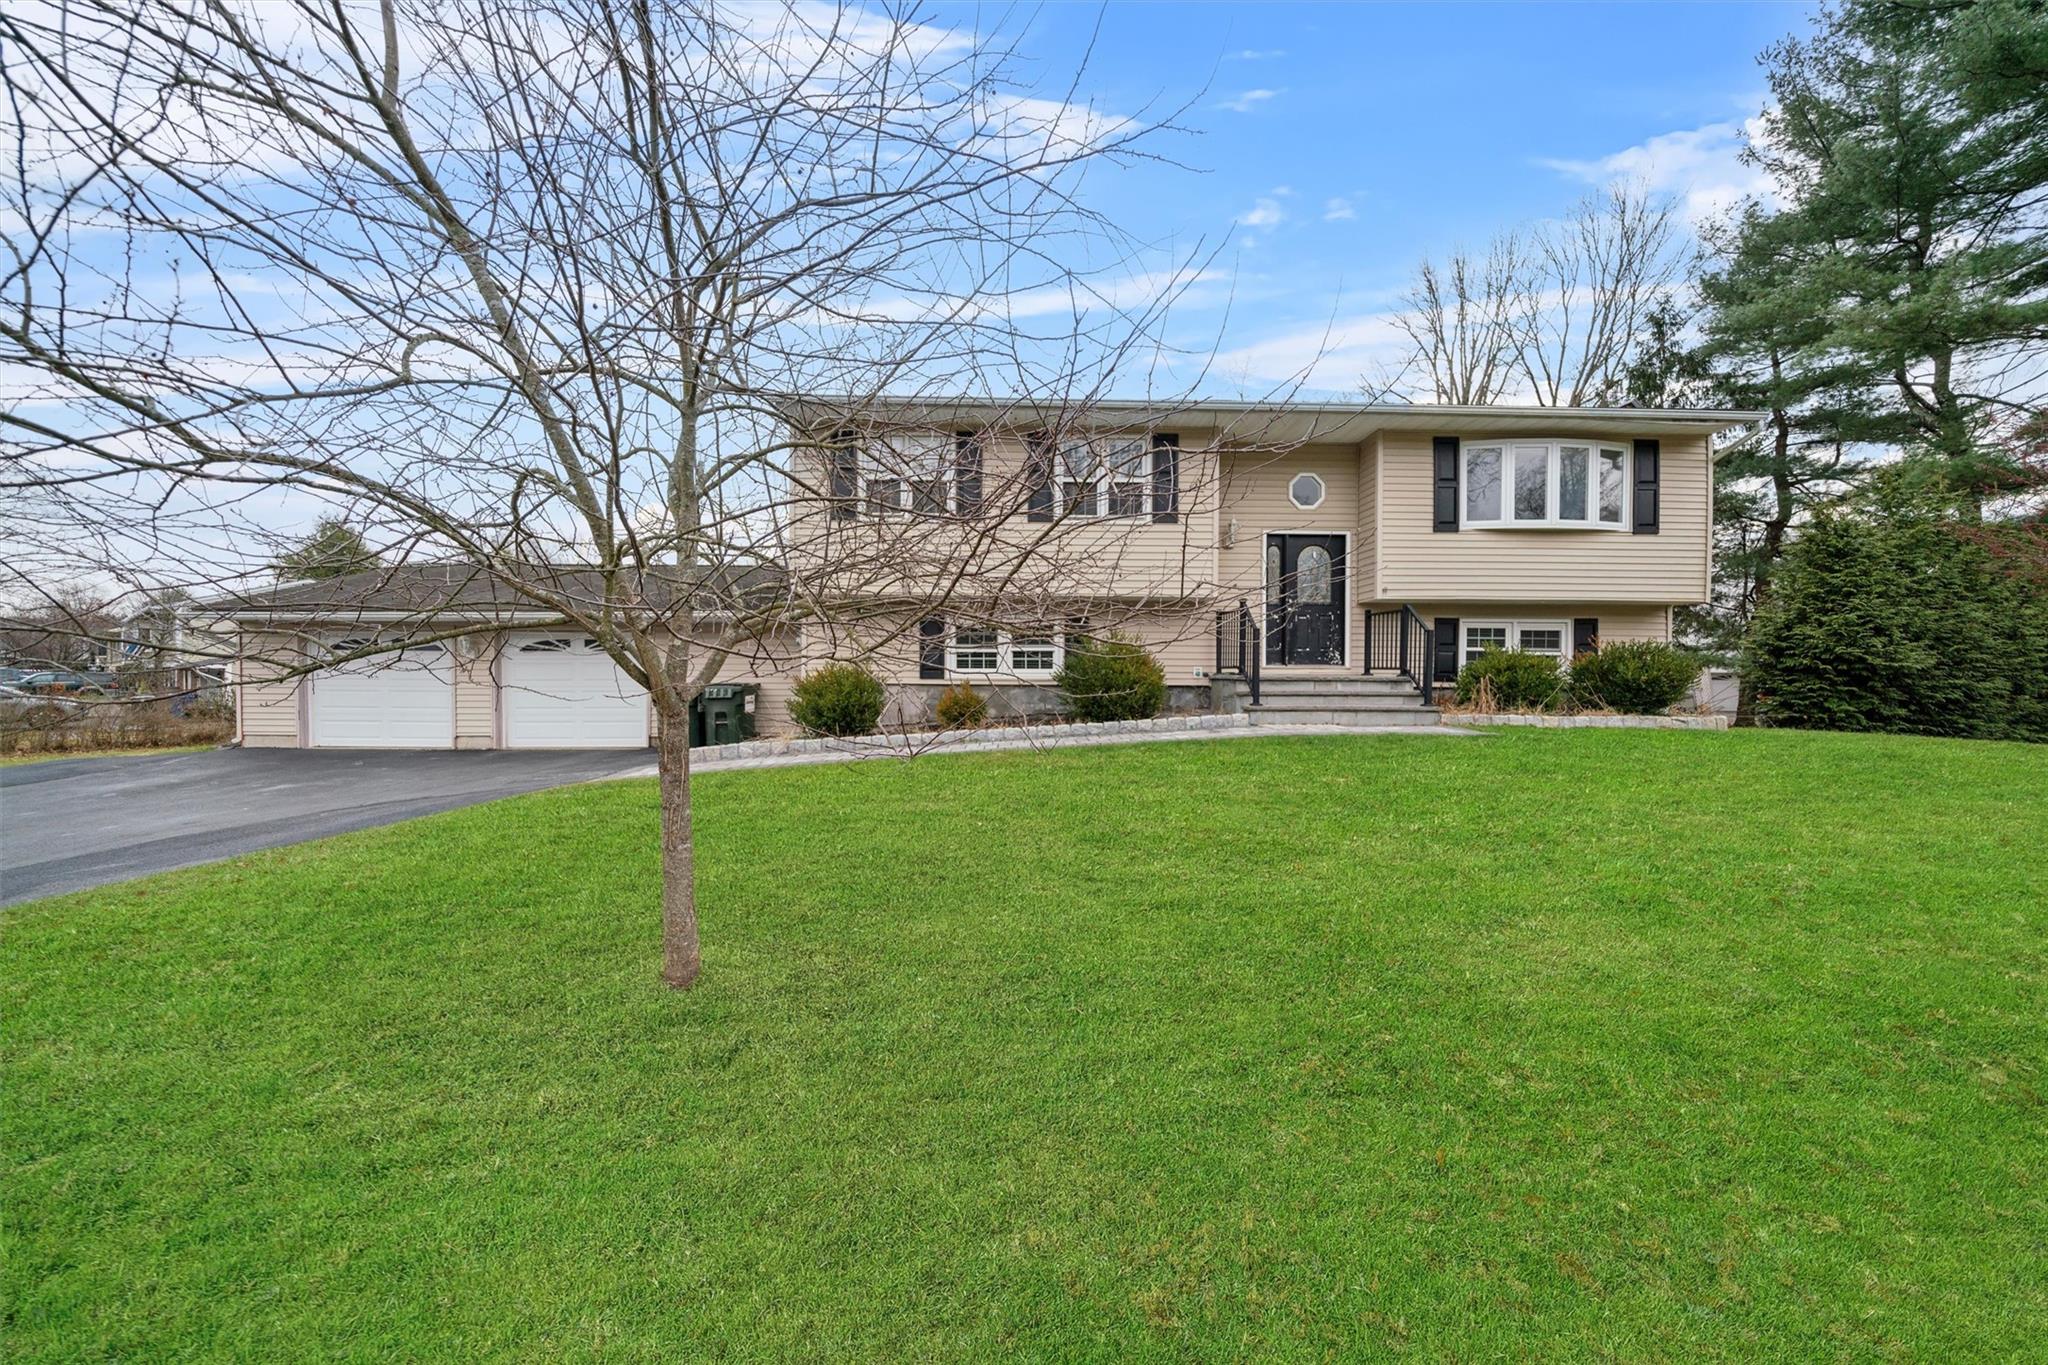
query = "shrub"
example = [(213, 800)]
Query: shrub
[(961, 707), (1509, 679), (838, 699), (1635, 677), (1112, 679), (1897, 619)]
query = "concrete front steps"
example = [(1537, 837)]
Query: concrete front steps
[(1362, 701)]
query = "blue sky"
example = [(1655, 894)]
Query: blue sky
[(1337, 144)]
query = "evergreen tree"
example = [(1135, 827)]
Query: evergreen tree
[(1907, 142), (1895, 616), (332, 549), (1755, 352)]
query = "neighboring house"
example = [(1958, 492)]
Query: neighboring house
[(160, 648), (1351, 556)]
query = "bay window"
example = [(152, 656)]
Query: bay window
[(1545, 483)]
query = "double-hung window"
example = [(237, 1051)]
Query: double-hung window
[(1104, 476), (1079, 474), (910, 472), (975, 651), (984, 651), (1531, 637), (1130, 477), (1545, 483)]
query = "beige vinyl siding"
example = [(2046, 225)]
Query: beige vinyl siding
[(476, 691), (268, 706), (1545, 565), (1365, 546), (774, 667), (891, 554), (1255, 502), (1617, 623), (1183, 641)]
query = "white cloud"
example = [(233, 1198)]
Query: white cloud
[(1263, 214), (1248, 101), (1328, 356), (1701, 167), (1338, 210), (1258, 54)]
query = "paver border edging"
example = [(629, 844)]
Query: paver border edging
[(1594, 722), (936, 741)]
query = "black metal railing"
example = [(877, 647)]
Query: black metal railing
[(1238, 647), (1397, 642)]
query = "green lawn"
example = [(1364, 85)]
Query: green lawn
[(1595, 1044)]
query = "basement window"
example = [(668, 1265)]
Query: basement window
[(1531, 637), (1000, 653)]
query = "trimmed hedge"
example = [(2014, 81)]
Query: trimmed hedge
[(1634, 677), (1511, 680), (838, 700), (1112, 679)]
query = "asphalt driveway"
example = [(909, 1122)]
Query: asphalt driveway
[(68, 824)]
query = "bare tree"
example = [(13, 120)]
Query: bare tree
[(1595, 276), (541, 294), (56, 626), (1553, 317), (1462, 323)]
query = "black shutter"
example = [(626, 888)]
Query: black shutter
[(1038, 477), (844, 467), (1585, 634), (1166, 477), (966, 474), (931, 648), (1446, 649), (1646, 488), (1445, 452)]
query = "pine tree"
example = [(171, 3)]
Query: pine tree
[(1907, 144), (332, 549), (1757, 352)]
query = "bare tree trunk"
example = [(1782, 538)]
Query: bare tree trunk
[(680, 957)]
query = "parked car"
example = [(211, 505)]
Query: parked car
[(15, 704), (67, 682), (10, 677)]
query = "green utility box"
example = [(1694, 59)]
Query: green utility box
[(724, 714)]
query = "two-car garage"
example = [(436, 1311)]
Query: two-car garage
[(543, 690)]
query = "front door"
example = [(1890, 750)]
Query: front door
[(1304, 599)]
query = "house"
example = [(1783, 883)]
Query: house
[(1324, 560)]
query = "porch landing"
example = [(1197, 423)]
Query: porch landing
[(1348, 699)]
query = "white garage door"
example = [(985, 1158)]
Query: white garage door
[(400, 700), (564, 692)]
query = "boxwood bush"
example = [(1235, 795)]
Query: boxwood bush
[(838, 699), (1111, 679), (961, 707), (1635, 677), (1510, 680)]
